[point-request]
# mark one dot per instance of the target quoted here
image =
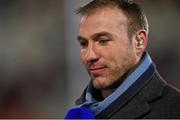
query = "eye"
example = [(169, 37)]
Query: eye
[(83, 43), (103, 40)]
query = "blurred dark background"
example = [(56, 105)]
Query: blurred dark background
[(32, 59), (41, 74)]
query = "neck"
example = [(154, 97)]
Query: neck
[(106, 93)]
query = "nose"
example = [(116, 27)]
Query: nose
[(91, 54)]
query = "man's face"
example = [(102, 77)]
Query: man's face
[(106, 50)]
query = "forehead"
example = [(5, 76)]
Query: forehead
[(104, 18), (108, 10)]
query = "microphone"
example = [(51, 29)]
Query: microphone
[(80, 113)]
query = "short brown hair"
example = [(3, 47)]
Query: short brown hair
[(135, 14)]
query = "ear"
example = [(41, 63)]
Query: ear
[(141, 40)]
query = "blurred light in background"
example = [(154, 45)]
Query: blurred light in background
[(41, 74)]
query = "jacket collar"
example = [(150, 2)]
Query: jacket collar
[(139, 105)]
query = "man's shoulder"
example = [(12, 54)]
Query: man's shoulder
[(171, 93), (163, 99), (166, 106), (166, 91)]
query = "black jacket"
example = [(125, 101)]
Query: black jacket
[(155, 100)]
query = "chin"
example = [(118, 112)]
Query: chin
[(105, 83), (99, 83)]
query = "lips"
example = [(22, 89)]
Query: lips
[(97, 70)]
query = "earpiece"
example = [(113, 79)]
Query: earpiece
[(139, 42)]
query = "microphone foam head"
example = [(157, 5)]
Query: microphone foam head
[(80, 113)]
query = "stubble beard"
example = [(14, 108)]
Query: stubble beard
[(114, 78), (111, 80)]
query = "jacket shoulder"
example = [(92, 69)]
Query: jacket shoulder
[(168, 105)]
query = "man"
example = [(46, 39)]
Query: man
[(124, 82)]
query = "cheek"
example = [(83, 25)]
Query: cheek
[(114, 55), (82, 57), (112, 61), (117, 59)]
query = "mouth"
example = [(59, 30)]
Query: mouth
[(97, 70)]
